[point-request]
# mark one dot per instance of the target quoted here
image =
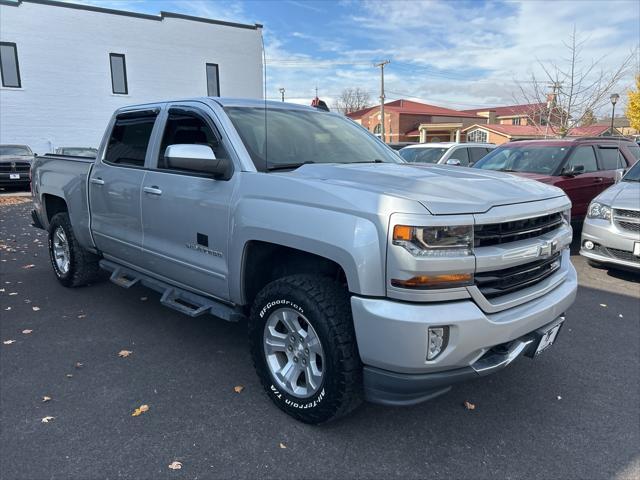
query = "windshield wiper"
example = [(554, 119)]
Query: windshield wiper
[(375, 160), (287, 166), (506, 170)]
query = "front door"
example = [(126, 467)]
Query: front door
[(582, 188), (114, 187), (185, 214)]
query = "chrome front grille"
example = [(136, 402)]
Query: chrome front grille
[(499, 233), (500, 282), (19, 167), (627, 219)]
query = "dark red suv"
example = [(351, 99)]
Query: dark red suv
[(582, 167)]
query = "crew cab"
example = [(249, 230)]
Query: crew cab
[(360, 276), (582, 167)]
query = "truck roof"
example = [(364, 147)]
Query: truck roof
[(226, 102)]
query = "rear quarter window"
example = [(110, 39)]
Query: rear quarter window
[(611, 158), (635, 151)]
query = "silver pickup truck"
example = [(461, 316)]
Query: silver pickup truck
[(359, 276)]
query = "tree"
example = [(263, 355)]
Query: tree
[(633, 105), (576, 90), (588, 118), (351, 100)]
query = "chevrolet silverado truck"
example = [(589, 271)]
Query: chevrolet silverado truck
[(359, 276)]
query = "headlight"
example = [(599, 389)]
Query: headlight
[(446, 241), (599, 210)]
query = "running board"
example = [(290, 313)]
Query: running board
[(174, 297)]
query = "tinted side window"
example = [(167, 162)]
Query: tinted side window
[(635, 150), (584, 156), (611, 159), (129, 140), (462, 155), (477, 153), (187, 128)]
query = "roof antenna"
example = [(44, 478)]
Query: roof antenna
[(264, 62)]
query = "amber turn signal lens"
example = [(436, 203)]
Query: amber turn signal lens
[(435, 281), (402, 232)]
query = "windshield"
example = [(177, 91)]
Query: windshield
[(633, 175), (423, 155), (18, 150), (537, 159), (296, 137), (78, 152)]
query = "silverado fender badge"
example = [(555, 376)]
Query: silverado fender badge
[(200, 248)]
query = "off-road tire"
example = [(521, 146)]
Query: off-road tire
[(326, 305), (83, 265)]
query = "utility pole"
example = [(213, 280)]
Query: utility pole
[(381, 65), (551, 105), (282, 90)]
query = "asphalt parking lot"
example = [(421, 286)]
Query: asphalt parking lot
[(572, 413)]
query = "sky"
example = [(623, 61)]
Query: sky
[(460, 54)]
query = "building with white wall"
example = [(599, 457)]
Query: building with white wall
[(66, 67)]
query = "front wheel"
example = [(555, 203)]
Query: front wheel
[(304, 349)]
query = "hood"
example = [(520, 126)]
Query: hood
[(540, 177), (443, 190), (625, 195), (15, 158)]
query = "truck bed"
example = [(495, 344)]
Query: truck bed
[(64, 177)]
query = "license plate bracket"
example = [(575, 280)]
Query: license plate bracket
[(545, 337)]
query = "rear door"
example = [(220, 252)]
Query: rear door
[(185, 214), (115, 183), (582, 188), (611, 163)]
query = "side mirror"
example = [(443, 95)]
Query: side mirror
[(197, 158), (573, 171), (454, 161)]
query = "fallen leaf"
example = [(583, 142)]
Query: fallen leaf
[(46, 399), (140, 410), (144, 299), (31, 265), (9, 342), (47, 419), (469, 405), (35, 309), (282, 445), (559, 397), (79, 365), (238, 388), (27, 331), (13, 293), (620, 316), (124, 353), (82, 315), (69, 375), (175, 465), (8, 308), (603, 305)]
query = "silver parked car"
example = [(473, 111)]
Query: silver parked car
[(611, 232), (449, 153), (15, 164)]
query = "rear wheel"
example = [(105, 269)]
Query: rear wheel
[(72, 264), (304, 349)]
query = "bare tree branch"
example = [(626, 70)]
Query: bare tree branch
[(351, 100)]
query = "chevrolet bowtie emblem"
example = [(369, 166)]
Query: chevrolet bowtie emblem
[(547, 248)]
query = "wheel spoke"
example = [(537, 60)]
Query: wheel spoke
[(275, 341), (60, 236), (290, 320), (313, 377)]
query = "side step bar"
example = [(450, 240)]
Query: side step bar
[(181, 300)]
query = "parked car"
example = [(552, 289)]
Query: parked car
[(450, 153), (400, 145), (77, 151), (582, 167), (611, 231), (15, 164), (361, 276)]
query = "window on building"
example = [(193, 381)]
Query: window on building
[(184, 127), (9, 68), (130, 139), (584, 156), (377, 130), (118, 74), (213, 80), (515, 121), (478, 136), (611, 159)]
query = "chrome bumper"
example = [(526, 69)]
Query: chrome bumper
[(613, 245)]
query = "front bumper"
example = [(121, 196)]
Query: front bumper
[(392, 339), (6, 180), (612, 244)]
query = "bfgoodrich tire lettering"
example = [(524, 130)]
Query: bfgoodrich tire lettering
[(79, 267), (325, 305)]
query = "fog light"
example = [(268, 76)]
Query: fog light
[(437, 338), (588, 244)]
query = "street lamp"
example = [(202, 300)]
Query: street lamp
[(614, 99), (282, 90)]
